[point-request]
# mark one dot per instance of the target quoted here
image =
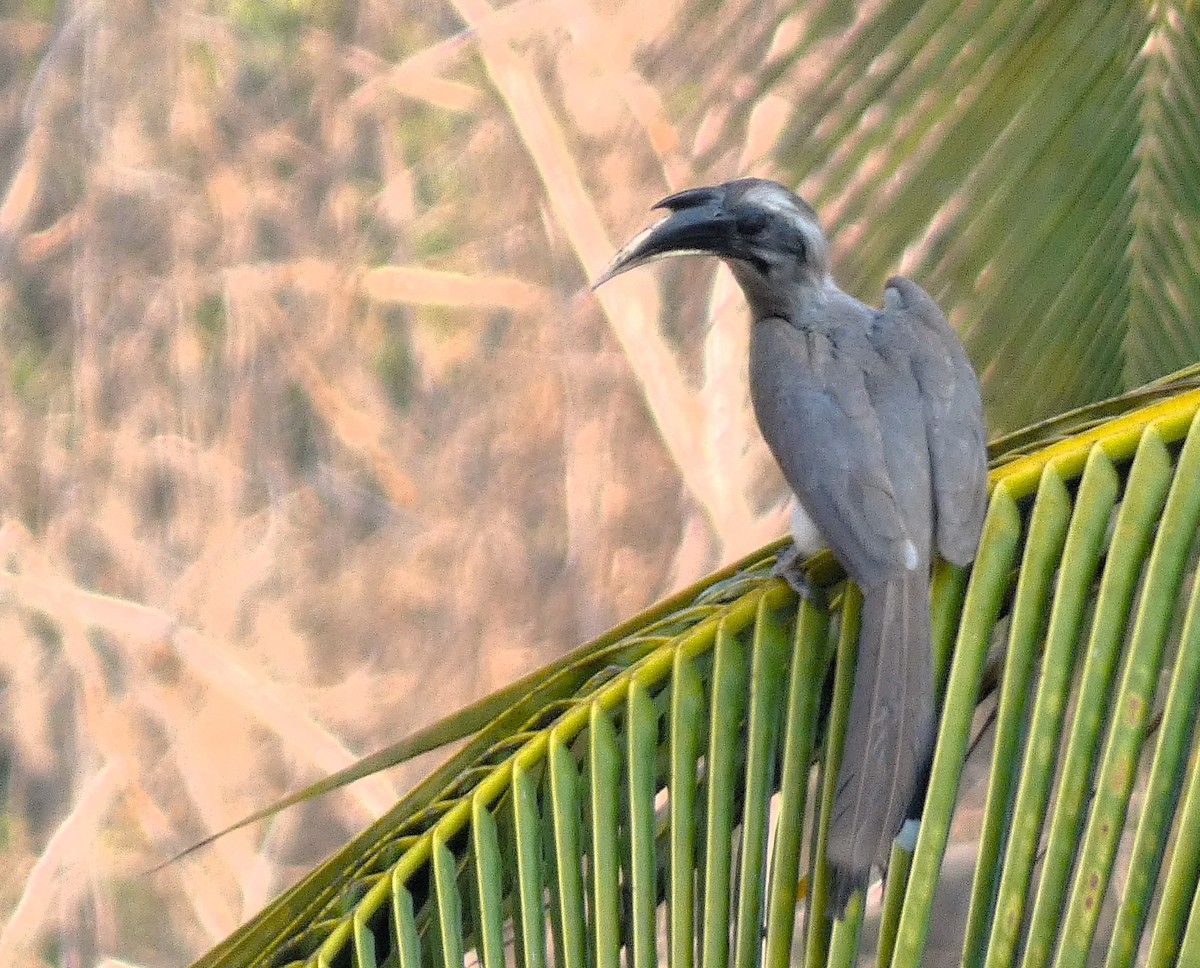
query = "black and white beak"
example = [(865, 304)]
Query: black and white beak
[(698, 224)]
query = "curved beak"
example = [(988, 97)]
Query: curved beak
[(697, 225)]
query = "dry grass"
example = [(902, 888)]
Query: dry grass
[(311, 430)]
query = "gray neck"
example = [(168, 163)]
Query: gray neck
[(801, 296)]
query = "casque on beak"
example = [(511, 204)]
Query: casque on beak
[(697, 225)]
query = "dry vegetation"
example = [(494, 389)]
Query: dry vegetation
[(312, 432)]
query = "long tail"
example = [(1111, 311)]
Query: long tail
[(889, 733)]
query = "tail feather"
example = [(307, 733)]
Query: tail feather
[(889, 734)]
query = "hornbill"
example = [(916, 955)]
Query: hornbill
[(875, 419)]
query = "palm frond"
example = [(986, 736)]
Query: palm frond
[(1165, 298), (651, 791), (1037, 163)]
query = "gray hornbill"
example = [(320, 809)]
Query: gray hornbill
[(875, 419)]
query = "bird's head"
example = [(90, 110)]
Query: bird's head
[(769, 236)]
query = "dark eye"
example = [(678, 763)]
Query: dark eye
[(751, 221), (795, 245)]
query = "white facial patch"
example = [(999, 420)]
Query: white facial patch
[(771, 199)]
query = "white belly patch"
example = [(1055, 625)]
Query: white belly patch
[(805, 536)]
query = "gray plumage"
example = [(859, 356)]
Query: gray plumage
[(874, 417)]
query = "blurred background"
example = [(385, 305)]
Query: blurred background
[(311, 431)]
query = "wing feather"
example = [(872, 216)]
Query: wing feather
[(953, 418), (811, 399)]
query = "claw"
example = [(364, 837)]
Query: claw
[(790, 567)]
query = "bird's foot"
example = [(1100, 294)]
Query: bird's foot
[(789, 566)]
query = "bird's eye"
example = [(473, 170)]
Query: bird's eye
[(751, 221)]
